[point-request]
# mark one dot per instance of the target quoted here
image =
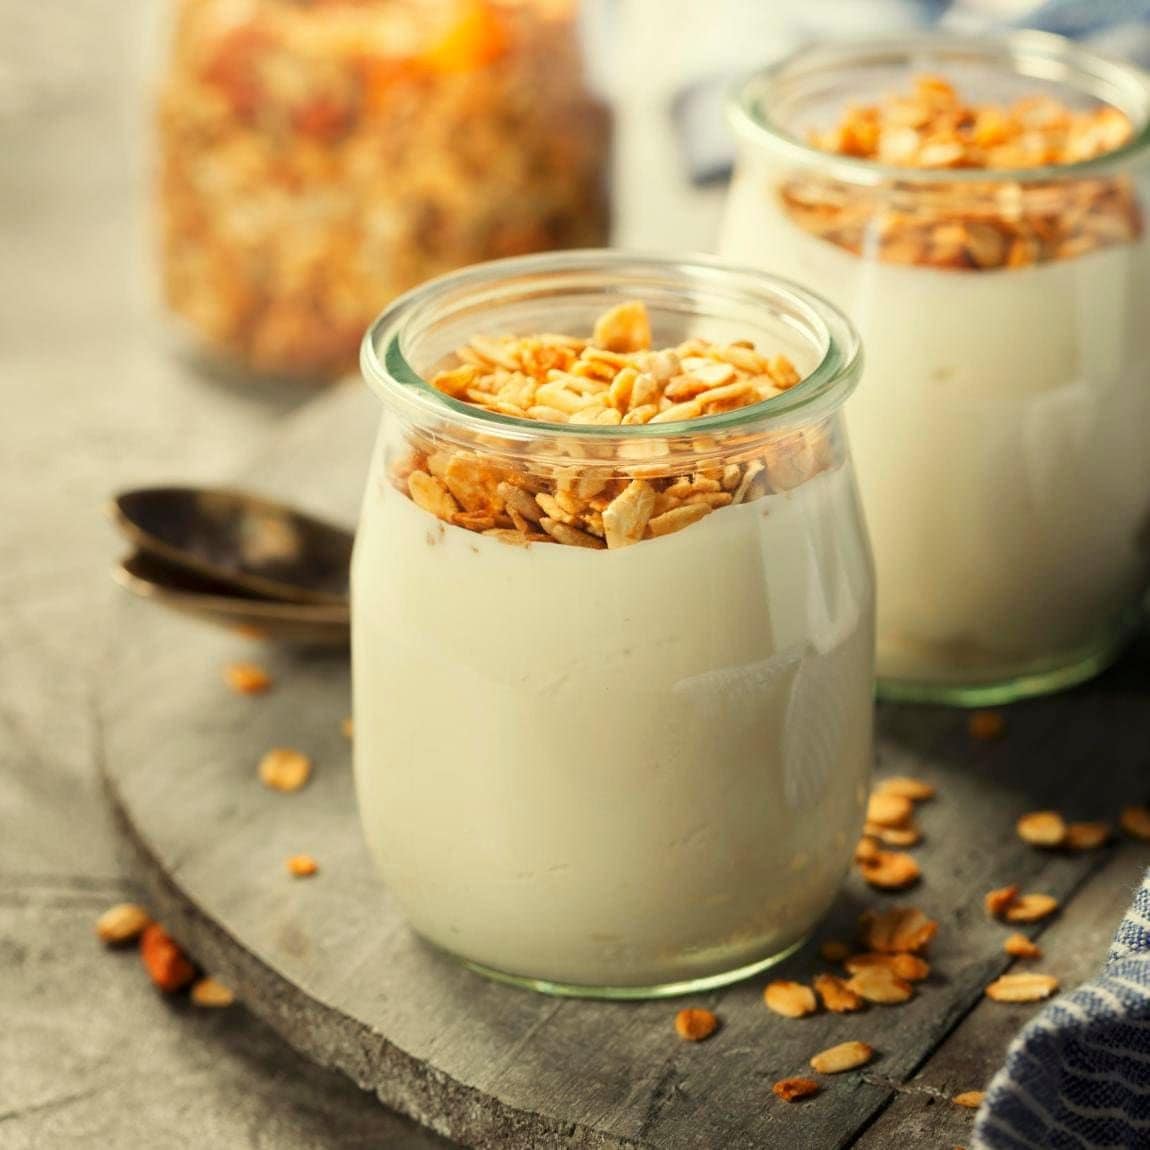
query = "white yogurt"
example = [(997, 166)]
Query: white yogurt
[(1002, 441), (615, 768)]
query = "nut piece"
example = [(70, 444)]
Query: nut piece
[(999, 900), (693, 1025), (302, 866), (122, 923), (1042, 829), (1087, 836), (1031, 908), (902, 929), (880, 984), (907, 966), (889, 810), (834, 950), (971, 1099), (792, 1089), (845, 1056), (283, 769), (890, 870), (836, 996), (1027, 986), (790, 999), (1135, 821), (986, 725), (247, 678), (1019, 946), (209, 992), (623, 328), (167, 965)]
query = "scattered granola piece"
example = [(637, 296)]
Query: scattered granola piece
[(901, 929), (907, 966), (1042, 829), (880, 984), (792, 1089), (347, 727), (906, 787), (986, 726), (167, 965), (1019, 946), (844, 1056), (626, 517), (889, 810), (1087, 836), (122, 923), (432, 495), (790, 999), (678, 518), (901, 837), (208, 992), (999, 900), (695, 1024), (834, 950), (1135, 821), (970, 1099), (1027, 986), (890, 870), (867, 849), (283, 769), (1031, 908), (247, 678), (302, 866), (835, 995), (623, 328)]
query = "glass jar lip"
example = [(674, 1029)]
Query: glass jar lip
[(388, 371), (1042, 55)]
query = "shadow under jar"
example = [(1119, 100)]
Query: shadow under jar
[(998, 271), (631, 763)]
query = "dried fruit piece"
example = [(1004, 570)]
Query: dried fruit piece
[(1135, 821), (970, 1099), (695, 1024), (844, 1056), (790, 999), (122, 923), (889, 810), (283, 769), (906, 787), (890, 870), (247, 678), (835, 995), (901, 929), (302, 866), (167, 965), (1042, 829), (792, 1089), (1031, 908), (1019, 946), (833, 950), (1087, 836), (997, 901), (208, 992), (880, 984), (1026, 986), (907, 966), (986, 725)]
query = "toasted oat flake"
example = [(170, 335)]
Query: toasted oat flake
[(122, 924), (999, 900), (902, 929), (1042, 829), (881, 985), (1025, 986), (970, 1099), (283, 769), (208, 992), (626, 517), (1031, 908), (432, 495), (302, 866), (906, 966), (890, 870), (900, 837), (1019, 946), (889, 810), (790, 999), (1087, 836), (695, 1024), (678, 518), (792, 1089), (835, 995), (247, 678), (1135, 821), (905, 787), (844, 1056), (986, 725)]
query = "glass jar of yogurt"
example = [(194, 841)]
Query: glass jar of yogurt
[(976, 207), (613, 620)]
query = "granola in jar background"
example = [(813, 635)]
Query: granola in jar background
[(317, 159)]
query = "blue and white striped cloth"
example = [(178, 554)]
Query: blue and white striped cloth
[(1077, 1077)]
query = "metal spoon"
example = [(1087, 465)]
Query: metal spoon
[(243, 543), (309, 623)]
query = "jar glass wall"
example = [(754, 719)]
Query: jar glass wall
[(602, 769), (1002, 440)]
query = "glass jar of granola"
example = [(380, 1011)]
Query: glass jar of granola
[(975, 205), (319, 158), (612, 601)]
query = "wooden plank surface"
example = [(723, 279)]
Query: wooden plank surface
[(332, 967)]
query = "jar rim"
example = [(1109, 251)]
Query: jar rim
[(1028, 52), (388, 371)]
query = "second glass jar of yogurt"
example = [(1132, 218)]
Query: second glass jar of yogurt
[(976, 206), (613, 620)]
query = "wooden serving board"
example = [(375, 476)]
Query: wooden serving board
[(330, 964)]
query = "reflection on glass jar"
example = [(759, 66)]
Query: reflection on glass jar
[(317, 159), (613, 634), (976, 207)]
